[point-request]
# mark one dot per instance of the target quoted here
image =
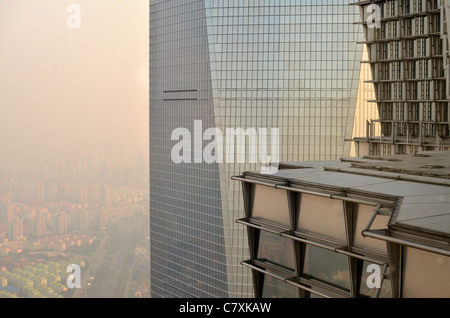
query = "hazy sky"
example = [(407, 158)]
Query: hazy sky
[(63, 89)]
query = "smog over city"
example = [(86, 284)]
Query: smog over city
[(74, 148)]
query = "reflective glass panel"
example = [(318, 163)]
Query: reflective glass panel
[(275, 288), (328, 267), (276, 249)]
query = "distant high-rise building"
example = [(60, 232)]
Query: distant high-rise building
[(95, 195), (82, 219), (6, 214), (102, 218), (61, 223), (16, 229), (288, 65), (84, 194), (14, 189), (108, 196), (40, 192), (39, 225), (52, 191)]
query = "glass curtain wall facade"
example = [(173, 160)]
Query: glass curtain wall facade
[(291, 65), (188, 257)]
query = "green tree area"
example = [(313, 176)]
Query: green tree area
[(4, 294), (44, 280)]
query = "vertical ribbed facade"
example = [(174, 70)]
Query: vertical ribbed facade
[(408, 56), (290, 65), (446, 12)]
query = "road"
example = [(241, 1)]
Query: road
[(113, 263)]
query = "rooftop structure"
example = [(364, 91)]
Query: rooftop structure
[(364, 227)]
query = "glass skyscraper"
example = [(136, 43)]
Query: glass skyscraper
[(294, 65)]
